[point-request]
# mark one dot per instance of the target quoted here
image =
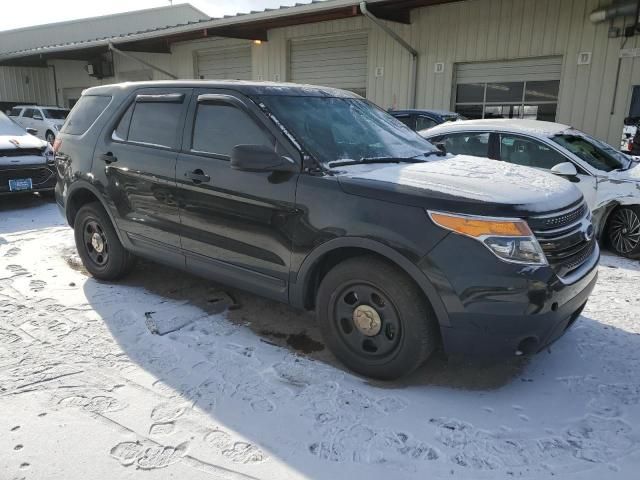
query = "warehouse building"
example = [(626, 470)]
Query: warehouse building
[(573, 61)]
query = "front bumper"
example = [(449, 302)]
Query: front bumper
[(43, 177), (497, 308)]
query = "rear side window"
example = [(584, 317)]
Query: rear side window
[(15, 112), (153, 123), (472, 143), (219, 127), (85, 113)]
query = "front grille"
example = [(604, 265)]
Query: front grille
[(567, 238), (21, 152), (38, 175)]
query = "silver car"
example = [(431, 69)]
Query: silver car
[(609, 179)]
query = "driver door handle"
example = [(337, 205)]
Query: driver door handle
[(198, 176)]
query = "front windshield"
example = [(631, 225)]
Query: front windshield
[(333, 129), (596, 153), (55, 113), (9, 127)]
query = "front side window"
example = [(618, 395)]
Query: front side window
[(218, 127), (528, 152), (468, 143), (85, 113), (596, 153), (37, 115), (28, 113), (332, 129), (407, 120), (155, 123)]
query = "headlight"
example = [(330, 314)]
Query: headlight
[(508, 239)]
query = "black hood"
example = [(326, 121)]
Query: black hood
[(463, 184)]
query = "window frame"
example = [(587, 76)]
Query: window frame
[(162, 95), (282, 145), (493, 144)]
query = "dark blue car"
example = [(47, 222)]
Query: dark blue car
[(423, 119)]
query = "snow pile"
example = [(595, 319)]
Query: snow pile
[(89, 390)]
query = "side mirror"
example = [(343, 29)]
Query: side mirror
[(565, 169), (441, 146), (37, 117), (32, 131), (260, 158)]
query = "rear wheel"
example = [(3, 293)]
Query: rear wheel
[(375, 319), (98, 244), (624, 231)]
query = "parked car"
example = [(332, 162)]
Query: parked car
[(608, 178), (419, 120), (26, 162), (46, 120), (316, 197)]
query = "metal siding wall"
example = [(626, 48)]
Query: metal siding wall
[(231, 63), (39, 89)]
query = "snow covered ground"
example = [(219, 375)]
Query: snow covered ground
[(170, 376)]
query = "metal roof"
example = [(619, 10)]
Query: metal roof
[(253, 25), (75, 32)]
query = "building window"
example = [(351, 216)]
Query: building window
[(535, 100)]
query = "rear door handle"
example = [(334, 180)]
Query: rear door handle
[(198, 176), (108, 157)]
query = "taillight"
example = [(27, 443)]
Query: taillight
[(56, 145)]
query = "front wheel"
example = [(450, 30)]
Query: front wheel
[(50, 137), (98, 244), (374, 318), (624, 231)]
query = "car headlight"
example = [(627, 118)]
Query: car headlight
[(509, 239)]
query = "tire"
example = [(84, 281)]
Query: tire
[(50, 137), (98, 244), (623, 231), (375, 319)]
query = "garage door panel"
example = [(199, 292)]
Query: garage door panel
[(334, 61), (225, 63)]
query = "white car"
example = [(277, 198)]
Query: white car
[(26, 162), (46, 120), (609, 179)]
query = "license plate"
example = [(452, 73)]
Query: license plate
[(19, 184)]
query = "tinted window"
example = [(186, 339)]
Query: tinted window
[(470, 143), (528, 152), (122, 130), (86, 111), (422, 123), (407, 120), (155, 123), (55, 113), (218, 128), (15, 112), (28, 113)]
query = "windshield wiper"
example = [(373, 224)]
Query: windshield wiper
[(368, 160)]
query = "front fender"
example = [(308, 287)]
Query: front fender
[(304, 277)]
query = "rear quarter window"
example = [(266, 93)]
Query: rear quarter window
[(85, 113), (15, 112)]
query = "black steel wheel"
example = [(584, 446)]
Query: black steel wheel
[(624, 231), (375, 319), (98, 244)]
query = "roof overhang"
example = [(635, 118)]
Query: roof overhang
[(251, 26)]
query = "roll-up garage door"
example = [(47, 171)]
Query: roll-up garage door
[(334, 61), (525, 88), (231, 63)]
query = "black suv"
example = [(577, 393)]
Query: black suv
[(315, 197)]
